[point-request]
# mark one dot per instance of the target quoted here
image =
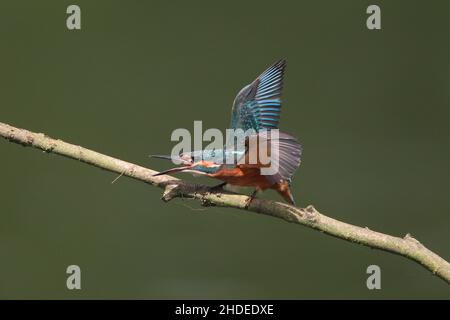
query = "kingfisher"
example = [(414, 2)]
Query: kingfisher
[(256, 111)]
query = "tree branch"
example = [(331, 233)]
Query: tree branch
[(173, 188)]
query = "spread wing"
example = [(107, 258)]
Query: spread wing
[(288, 159), (285, 154), (257, 106)]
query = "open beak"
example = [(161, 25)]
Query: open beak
[(173, 170), (157, 156)]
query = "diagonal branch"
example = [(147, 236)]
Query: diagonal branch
[(173, 188)]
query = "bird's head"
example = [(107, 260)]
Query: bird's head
[(189, 162)]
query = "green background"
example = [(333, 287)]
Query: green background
[(370, 107)]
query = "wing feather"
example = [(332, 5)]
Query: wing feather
[(257, 106), (287, 158)]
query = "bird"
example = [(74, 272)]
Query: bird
[(256, 111)]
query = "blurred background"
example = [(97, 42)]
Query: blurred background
[(370, 107)]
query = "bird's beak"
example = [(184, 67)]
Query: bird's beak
[(173, 159), (157, 156), (173, 170)]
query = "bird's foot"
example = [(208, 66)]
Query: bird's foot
[(249, 200), (218, 187)]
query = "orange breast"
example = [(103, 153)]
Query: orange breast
[(243, 176)]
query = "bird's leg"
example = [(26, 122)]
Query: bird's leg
[(218, 187), (250, 199)]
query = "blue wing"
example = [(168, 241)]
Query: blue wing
[(257, 106)]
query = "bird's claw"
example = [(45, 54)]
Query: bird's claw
[(248, 201)]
